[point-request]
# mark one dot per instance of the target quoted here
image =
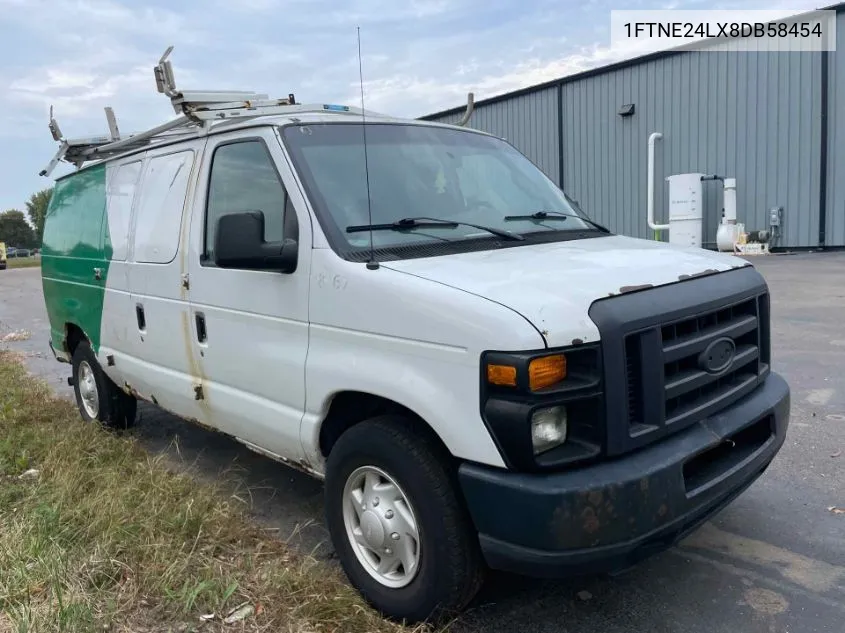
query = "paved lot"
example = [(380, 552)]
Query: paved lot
[(774, 561)]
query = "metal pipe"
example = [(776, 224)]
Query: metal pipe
[(470, 107), (129, 140), (730, 200), (655, 227)]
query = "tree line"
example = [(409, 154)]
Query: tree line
[(16, 231)]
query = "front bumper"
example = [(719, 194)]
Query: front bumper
[(608, 516)]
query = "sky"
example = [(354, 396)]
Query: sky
[(419, 56)]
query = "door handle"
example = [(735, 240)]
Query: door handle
[(141, 317), (202, 334), (98, 273)]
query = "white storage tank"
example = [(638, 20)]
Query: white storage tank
[(729, 231)]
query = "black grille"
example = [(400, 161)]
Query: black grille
[(665, 365), (687, 387), (651, 339), (635, 379)]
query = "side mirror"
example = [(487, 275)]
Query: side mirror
[(239, 243)]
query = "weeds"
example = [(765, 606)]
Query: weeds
[(103, 536)]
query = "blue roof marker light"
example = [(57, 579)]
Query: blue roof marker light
[(335, 108)]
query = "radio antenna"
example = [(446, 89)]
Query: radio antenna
[(372, 264)]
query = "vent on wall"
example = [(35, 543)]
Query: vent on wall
[(626, 110)]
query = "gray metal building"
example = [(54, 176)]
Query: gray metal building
[(775, 121)]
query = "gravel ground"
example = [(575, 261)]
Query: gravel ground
[(773, 561)]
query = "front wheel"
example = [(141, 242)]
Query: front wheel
[(398, 524), (97, 397)]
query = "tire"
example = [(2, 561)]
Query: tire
[(450, 567), (97, 397)]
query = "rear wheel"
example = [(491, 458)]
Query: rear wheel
[(97, 397), (397, 521)]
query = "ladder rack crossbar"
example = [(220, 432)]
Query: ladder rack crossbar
[(132, 140)]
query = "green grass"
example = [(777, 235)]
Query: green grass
[(106, 537), (23, 262)]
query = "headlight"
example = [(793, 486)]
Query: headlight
[(527, 400), (548, 428)]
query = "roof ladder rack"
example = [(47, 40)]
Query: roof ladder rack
[(197, 109)]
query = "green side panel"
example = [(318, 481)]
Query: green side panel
[(75, 244)]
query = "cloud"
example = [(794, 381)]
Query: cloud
[(248, 6)]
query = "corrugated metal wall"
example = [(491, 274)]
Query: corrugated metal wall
[(752, 116), (529, 122), (835, 225)]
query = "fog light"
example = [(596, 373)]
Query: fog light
[(548, 428)]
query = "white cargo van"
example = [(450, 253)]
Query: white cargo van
[(484, 377)]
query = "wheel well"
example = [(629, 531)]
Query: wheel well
[(73, 337), (348, 408)]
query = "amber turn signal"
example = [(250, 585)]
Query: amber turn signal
[(503, 375), (546, 371)]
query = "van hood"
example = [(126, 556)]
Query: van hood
[(553, 285)]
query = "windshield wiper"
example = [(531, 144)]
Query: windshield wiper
[(427, 223), (555, 215)]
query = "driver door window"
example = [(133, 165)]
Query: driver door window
[(244, 178)]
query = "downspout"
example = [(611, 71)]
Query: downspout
[(655, 227), (823, 151), (560, 135)]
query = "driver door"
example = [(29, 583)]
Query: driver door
[(250, 327)]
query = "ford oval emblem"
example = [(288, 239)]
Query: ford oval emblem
[(717, 356)]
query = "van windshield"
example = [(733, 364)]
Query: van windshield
[(420, 171)]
